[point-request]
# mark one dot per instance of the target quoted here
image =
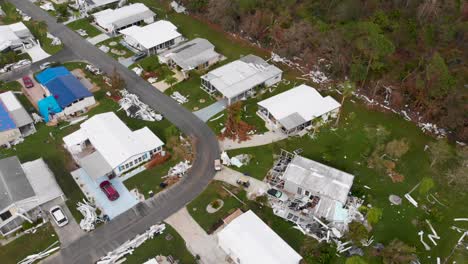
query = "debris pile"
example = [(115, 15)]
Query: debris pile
[(129, 246), (137, 70), (179, 98), (55, 41), (178, 7), (238, 161), (16, 65), (88, 210), (180, 168), (35, 257), (137, 109)]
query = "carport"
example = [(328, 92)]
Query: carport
[(91, 189)]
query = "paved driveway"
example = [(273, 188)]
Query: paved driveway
[(99, 38), (37, 53), (69, 233), (197, 240), (110, 208), (208, 112)]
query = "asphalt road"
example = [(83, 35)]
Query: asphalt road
[(96, 244)]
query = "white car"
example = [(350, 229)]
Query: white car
[(45, 65), (58, 216)]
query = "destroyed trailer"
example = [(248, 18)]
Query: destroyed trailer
[(318, 199)]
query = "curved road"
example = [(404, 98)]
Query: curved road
[(96, 244)]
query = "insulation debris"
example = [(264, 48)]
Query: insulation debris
[(35, 257), (180, 168), (137, 109), (88, 210), (179, 98), (129, 246)]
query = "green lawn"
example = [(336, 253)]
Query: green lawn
[(118, 46), (159, 245), (10, 86), (151, 64), (28, 244), (348, 148), (190, 88), (149, 180), (85, 25)]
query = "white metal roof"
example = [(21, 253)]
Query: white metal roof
[(42, 181), (11, 34), (252, 241), (113, 139), (151, 35), (17, 112), (319, 179), (241, 75), (126, 15), (191, 54), (303, 99), (10, 101)]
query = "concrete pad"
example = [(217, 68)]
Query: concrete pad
[(208, 112), (111, 208), (69, 233), (37, 53), (35, 93), (231, 176), (99, 38), (256, 140), (197, 240)]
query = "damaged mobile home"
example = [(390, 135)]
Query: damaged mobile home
[(317, 196)]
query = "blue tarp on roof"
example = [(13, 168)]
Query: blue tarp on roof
[(51, 73), (6, 122), (67, 89), (47, 107)]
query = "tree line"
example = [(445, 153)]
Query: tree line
[(410, 54)]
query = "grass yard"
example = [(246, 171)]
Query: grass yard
[(348, 148), (28, 244), (151, 64), (190, 88), (126, 53), (85, 25), (159, 245), (10, 86), (149, 180)]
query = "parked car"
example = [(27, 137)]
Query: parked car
[(109, 190), (139, 56), (243, 181), (59, 217), (217, 165), (278, 194), (28, 83), (46, 65), (20, 64)]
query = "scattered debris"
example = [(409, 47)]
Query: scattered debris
[(55, 41), (180, 169), (225, 159), (240, 160), (421, 238), (104, 48), (178, 8), (179, 98), (460, 219), (93, 69), (82, 32), (434, 234), (138, 70), (47, 6), (395, 199), (41, 255), (88, 210), (129, 246), (137, 109)]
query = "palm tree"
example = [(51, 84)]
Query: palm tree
[(170, 80), (348, 89)]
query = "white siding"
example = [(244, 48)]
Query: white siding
[(80, 105)]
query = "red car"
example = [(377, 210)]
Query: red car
[(28, 83), (109, 190)]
